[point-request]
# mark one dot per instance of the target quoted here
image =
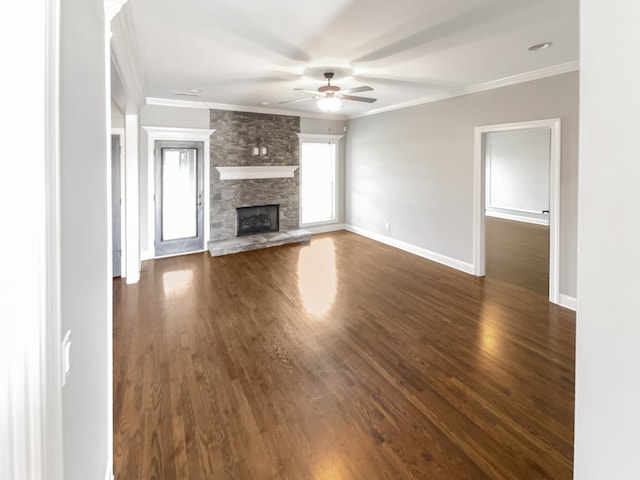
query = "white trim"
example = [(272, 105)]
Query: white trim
[(408, 247), (167, 102), (51, 328), (132, 204), (124, 54), (108, 471), (332, 227), (554, 197), (111, 9), (250, 172), (319, 138), (123, 199), (567, 301), (178, 134), (480, 87), (517, 216)]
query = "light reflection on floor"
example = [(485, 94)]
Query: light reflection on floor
[(490, 325), (317, 280), (177, 283)]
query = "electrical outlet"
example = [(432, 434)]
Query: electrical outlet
[(387, 226)]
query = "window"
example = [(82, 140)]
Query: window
[(318, 166)]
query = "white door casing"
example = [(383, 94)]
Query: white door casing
[(554, 197), (178, 134)]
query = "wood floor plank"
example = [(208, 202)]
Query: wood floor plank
[(342, 359)]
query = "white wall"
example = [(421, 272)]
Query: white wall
[(517, 168), (414, 167), (85, 255), (607, 415), (30, 388)]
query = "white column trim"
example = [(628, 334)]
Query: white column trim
[(111, 9), (132, 204), (124, 54)]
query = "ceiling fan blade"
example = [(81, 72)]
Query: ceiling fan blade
[(297, 100), (359, 99), (315, 92), (356, 90)]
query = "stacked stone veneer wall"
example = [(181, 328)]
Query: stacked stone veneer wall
[(236, 133)]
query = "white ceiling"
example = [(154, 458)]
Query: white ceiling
[(246, 52)]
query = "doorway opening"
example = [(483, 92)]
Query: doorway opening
[(494, 211)]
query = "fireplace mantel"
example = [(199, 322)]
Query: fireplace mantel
[(246, 173)]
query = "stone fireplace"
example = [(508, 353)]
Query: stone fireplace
[(254, 162)]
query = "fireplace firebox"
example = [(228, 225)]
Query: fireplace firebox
[(258, 219)]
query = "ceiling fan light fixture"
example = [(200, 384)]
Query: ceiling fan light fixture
[(330, 104)]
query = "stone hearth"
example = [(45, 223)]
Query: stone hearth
[(254, 242)]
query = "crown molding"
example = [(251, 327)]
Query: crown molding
[(480, 87), (166, 102), (112, 7), (125, 57)]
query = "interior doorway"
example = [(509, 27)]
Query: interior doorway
[(511, 236), (116, 205), (179, 198)]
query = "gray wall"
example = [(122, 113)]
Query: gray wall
[(85, 257), (414, 167)]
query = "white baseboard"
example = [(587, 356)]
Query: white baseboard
[(516, 217), (146, 255), (568, 302), (407, 247), (108, 474), (326, 228)]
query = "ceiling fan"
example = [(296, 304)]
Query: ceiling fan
[(330, 97)]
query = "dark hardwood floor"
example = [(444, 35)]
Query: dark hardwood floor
[(518, 253), (340, 360)]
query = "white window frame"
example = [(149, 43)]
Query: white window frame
[(333, 140)]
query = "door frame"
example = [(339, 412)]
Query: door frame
[(119, 132), (175, 134), (479, 251), (179, 246), (333, 140)]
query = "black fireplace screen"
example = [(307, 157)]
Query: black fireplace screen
[(258, 219)]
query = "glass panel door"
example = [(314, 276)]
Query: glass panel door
[(179, 197), (179, 193)]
